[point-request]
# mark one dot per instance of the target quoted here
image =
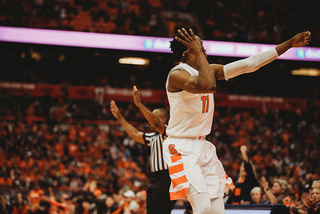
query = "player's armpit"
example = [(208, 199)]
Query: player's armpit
[(218, 71)]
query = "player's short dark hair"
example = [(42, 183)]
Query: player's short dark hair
[(176, 47)]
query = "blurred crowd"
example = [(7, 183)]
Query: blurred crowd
[(268, 21), (86, 160), (50, 164)]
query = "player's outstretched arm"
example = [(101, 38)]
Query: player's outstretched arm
[(131, 131), (152, 119), (258, 60)]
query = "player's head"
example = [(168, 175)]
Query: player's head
[(180, 49), (176, 47), (162, 114)]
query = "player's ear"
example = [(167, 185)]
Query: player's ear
[(185, 53)]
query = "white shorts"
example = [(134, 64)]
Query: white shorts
[(194, 161)]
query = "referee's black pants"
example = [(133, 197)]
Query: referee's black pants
[(158, 198)]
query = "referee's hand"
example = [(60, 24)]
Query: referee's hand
[(136, 97), (114, 109)]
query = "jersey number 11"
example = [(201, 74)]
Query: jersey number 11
[(205, 103)]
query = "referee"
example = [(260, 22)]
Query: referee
[(158, 199)]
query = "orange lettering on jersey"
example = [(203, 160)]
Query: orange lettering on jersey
[(205, 103), (172, 149)]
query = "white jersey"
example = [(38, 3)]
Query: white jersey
[(191, 115)]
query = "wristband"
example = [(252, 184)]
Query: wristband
[(267, 189)]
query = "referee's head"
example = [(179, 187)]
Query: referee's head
[(162, 114)]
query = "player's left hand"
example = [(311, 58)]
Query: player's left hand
[(301, 39)]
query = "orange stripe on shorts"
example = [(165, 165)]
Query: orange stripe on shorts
[(175, 158), (176, 168), (179, 180), (178, 195)]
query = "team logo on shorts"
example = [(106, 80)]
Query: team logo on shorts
[(172, 149)]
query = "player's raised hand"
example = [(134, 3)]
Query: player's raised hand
[(136, 97), (301, 39), (191, 41), (114, 109)]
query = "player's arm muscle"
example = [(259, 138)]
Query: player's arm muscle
[(182, 80), (218, 71)]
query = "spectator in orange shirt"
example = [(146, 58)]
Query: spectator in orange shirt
[(20, 206), (34, 198)]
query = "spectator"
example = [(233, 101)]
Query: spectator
[(256, 195), (99, 202), (141, 199), (309, 203), (127, 204), (34, 197), (132, 205), (246, 181), (20, 206), (111, 206), (315, 195), (67, 202), (279, 194), (315, 184), (5, 208)]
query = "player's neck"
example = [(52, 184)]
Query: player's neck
[(193, 64)]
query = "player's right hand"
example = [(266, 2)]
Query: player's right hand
[(192, 42)]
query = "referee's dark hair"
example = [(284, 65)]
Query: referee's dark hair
[(165, 114)]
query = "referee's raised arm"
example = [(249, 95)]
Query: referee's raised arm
[(155, 118), (131, 131)]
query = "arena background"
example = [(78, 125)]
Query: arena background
[(60, 89)]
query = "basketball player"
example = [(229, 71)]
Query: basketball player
[(158, 199), (194, 167)]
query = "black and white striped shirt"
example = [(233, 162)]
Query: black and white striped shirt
[(155, 140)]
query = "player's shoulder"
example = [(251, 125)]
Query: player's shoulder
[(216, 66)]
